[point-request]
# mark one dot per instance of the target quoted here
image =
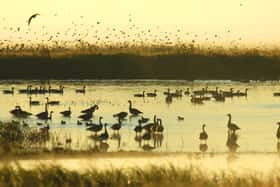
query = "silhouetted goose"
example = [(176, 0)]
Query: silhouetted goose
[(168, 92), (140, 95), (96, 128), (52, 102), (231, 126), (159, 127), (144, 120), (83, 90), (11, 91), (104, 136), (152, 94), (203, 135), (213, 92), (196, 100), (199, 92), (121, 115), (62, 122), (66, 113), (242, 93), (148, 127), (18, 112), (33, 102), (117, 126), (278, 131), (138, 128), (219, 97), (228, 94), (91, 109), (187, 92), (180, 118), (79, 122), (45, 115), (133, 111), (24, 91)]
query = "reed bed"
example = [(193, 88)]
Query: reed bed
[(148, 177)]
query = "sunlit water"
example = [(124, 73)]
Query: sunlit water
[(256, 115)]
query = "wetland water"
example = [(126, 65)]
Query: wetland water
[(255, 114)]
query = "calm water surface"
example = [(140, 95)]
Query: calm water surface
[(256, 115)]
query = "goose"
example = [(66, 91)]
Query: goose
[(96, 127), (45, 114), (63, 122), (104, 136), (91, 109), (18, 112), (152, 94), (180, 118), (140, 95), (32, 103), (117, 126), (133, 111), (278, 131), (242, 93), (168, 92), (196, 100), (144, 120), (149, 126), (52, 102), (79, 122), (231, 126), (120, 115), (83, 90), (11, 91), (138, 128), (66, 113), (24, 91), (203, 135), (187, 92), (159, 127), (228, 93)]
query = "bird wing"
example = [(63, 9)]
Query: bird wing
[(31, 17)]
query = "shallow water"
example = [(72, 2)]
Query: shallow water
[(256, 115)]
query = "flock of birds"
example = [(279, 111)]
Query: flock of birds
[(97, 36), (144, 130)]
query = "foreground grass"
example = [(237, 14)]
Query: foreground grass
[(151, 176)]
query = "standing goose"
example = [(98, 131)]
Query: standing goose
[(52, 102), (278, 131), (149, 126), (140, 95), (45, 115), (133, 111), (152, 94), (83, 90), (121, 115), (11, 91), (138, 128), (159, 127), (203, 135), (104, 136), (117, 126), (96, 127), (32, 103), (66, 113), (231, 126)]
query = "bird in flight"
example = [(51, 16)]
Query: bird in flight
[(32, 17)]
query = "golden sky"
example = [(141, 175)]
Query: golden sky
[(254, 20)]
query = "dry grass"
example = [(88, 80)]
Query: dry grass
[(151, 176)]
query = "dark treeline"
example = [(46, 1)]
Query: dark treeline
[(124, 66)]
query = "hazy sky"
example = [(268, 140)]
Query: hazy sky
[(253, 20)]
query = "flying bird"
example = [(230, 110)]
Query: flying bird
[(32, 17)]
